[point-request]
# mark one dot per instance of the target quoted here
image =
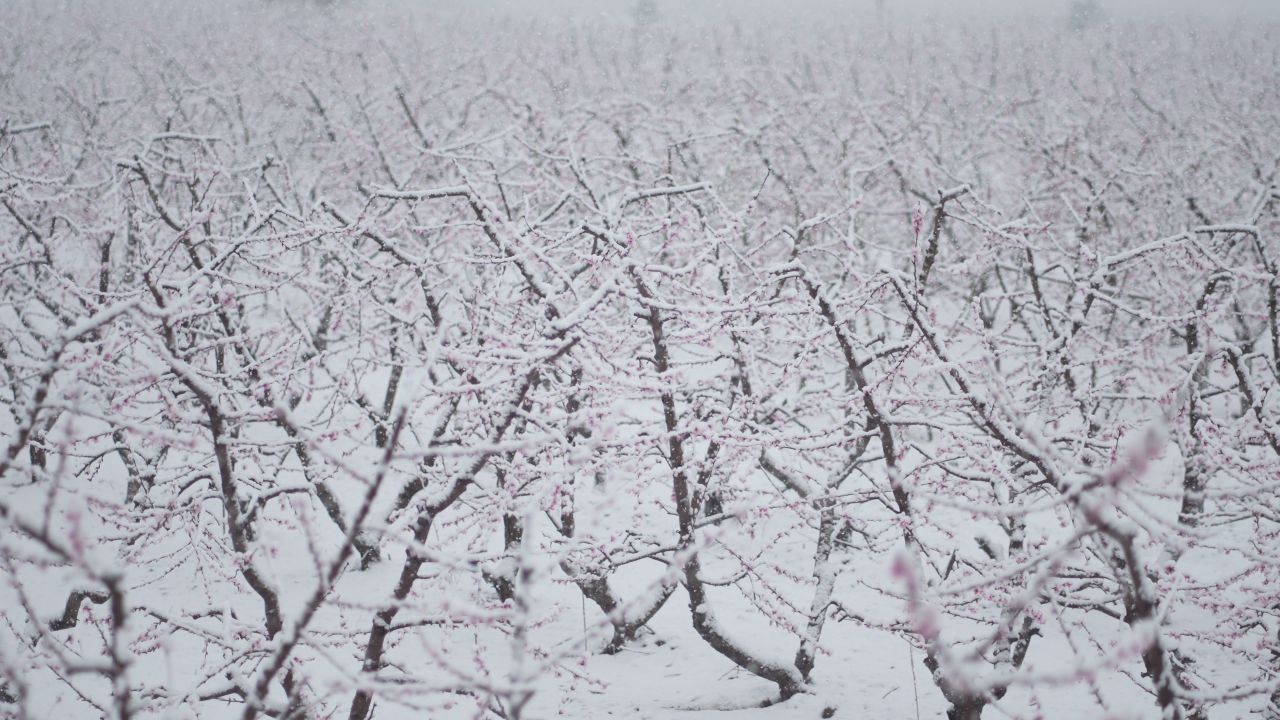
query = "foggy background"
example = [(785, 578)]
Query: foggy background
[(1223, 9)]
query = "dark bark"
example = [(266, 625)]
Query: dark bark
[(787, 679)]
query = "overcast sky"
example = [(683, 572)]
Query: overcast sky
[(1224, 9)]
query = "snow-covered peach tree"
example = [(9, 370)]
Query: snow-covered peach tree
[(368, 361)]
